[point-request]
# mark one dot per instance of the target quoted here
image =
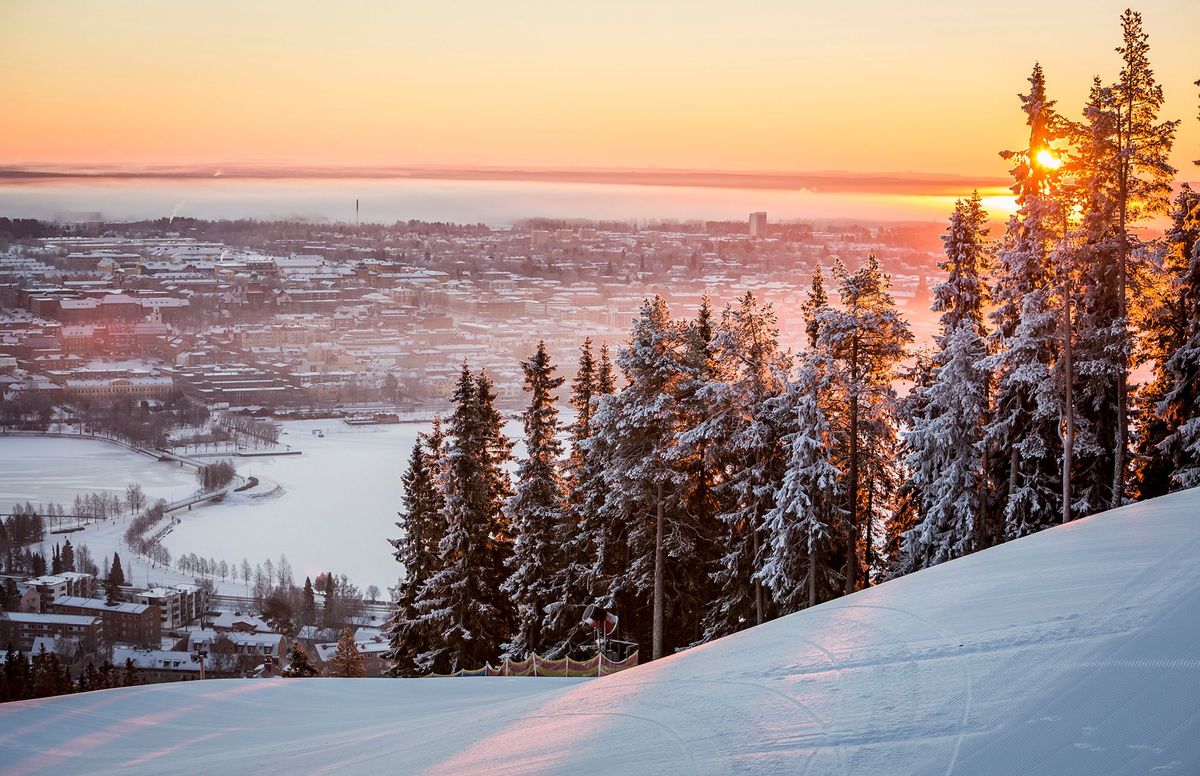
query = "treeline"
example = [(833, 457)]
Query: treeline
[(24, 525), (263, 432), (142, 423), (140, 525), (728, 482), (43, 675)]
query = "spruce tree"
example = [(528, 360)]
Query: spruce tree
[(1171, 440), (308, 605), (815, 304), (634, 431), (462, 603), (740, 415), (1023, 432), (575, 583), (535, 510), (116, 578), (946, 445), (1144, 178), (347, 662), (800, 568), (298, 665), (1087, 258), (863, 342), (693, 543), (67, 557), (416, 550)]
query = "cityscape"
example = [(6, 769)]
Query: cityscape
[(559, 390)]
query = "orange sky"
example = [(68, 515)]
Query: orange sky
[(787, 85)]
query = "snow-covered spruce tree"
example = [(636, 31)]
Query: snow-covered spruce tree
[(693, 539), (606, 377), (462, 604), (416, 550), (801, 567), (1087, 257), (1167, 456), (864, 340), (816, 302), (1172, 337), (536, 509), (1023, 432), (746, 344), (946, 440), (571, 584), (1176, 329), (1144, 177), (634, 430)]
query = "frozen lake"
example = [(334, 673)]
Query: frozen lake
[(44, 470), (336, 512)]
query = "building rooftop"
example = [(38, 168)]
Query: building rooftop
[(100, 605)]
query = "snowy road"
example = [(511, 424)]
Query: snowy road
[(1071, 652)]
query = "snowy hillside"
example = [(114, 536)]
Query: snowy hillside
[(1075, 651)]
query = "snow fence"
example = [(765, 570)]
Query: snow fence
[(536, 665)]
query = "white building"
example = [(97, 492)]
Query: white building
[(177, 605)]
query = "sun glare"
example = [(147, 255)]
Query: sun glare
[(1048, 160)]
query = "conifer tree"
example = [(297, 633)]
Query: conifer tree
[(67, 557), (535, 510), (863, 342), (635, 430), (1144, 177), (693, 539), (130, 676), (416, 550), (347, 662), (741, 416), (116, 578), (1170, 444), (1023, 432), (815, 304), (1092, 361), (800, 568), (946, 441), (575, 583), (308, 605), (298, 665), (462, 602)]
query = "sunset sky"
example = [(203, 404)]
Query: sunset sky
[(782, 86)]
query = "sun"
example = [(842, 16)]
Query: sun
[(1047, 159)]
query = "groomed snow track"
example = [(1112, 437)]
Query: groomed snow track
[(1076, 651)]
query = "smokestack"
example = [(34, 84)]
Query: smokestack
[(356, 212)]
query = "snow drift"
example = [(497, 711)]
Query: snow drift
[(1075, 651)]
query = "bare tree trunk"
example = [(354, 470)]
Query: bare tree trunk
[(657, 646), (812, 577), (852, 516), (1124, 148), (758, 593), (1068, 397)]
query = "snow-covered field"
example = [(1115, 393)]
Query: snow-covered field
[(1071, 652)]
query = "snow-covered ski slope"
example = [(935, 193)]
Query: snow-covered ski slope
[(1076, 651)]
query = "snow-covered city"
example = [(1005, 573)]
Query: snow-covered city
[(658, 388)]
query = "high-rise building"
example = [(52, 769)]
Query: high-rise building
[(758, 224)]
